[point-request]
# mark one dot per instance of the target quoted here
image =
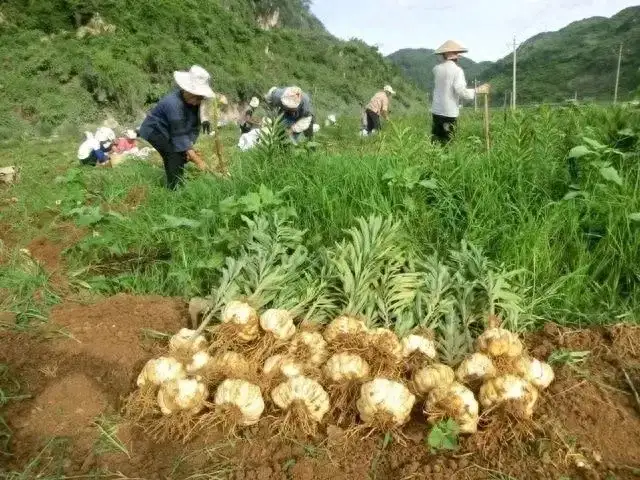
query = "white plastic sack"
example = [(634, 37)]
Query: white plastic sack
[(90, 143)]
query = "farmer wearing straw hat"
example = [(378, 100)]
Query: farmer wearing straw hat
[(249, 122), (295, 107), (173, 126), (378, 106), (450, 88)]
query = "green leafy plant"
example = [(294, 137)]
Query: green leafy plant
[(443, 436)]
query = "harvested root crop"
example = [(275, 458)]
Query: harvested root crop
[(346, 329), (497, 342), (474, 369), (539, 374), (345, 373), (453, 401), (517, 395), (278, 323), (384, 353), (244, 320), (226, 365), (431, 377), (160, 370), (282, 365), (186, 395), (418, 345), (305, 403), (309, 347), (238, 403), (186, 343), (385, 404), (199, 362)]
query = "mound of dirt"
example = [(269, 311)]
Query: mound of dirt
[(67, 407), (114, 329)]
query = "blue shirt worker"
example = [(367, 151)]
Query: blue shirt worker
[(295, 107), (173, 126), (96, 147)]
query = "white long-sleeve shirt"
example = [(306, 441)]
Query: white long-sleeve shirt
[(450, 87)]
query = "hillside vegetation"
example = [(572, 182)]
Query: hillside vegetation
[(552, 67), (63, 66)]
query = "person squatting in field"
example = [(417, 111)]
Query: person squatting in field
[(450, 88), (96, 148), (378, 107), (248, 121), (295, 107), (172, 127)]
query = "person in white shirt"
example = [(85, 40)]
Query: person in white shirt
[(450, 89)]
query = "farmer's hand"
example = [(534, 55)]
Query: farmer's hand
[(206, 127), (483, 89), (195, 158)]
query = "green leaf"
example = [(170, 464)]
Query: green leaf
[(430, 184), (634, 217), (579, 152), (593, 143), (611, 174), (179, 222)]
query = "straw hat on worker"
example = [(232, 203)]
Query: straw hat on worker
[(195, 81), (451, 49)]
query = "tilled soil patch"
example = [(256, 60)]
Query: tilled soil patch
[(587, 425)]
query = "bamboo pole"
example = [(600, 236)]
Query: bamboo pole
[(615, 94), (221, 166), (486, 122)]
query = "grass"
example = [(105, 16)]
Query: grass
[(572, 240)]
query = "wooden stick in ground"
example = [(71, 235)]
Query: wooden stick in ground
[(221, 166), (633, 388), (486, 122)]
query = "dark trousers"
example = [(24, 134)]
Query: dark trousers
[(443, 128), (373, 121), (174, 162)]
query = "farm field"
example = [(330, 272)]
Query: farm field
[(98, 265)]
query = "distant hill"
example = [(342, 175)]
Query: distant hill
[(553, 66), (70, 62), (417, 64)]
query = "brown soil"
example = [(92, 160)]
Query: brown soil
[(587, 425)]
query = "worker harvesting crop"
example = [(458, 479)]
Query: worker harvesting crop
[(450, 88), (249, 121), (295, 107), (378, 107), (173, 126)]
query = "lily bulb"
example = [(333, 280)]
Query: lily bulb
[(539, 374), (497, 342), (476, 367), (282, 364), (186, 394), (303, 390), (312, 344), (185, 341), (431, 377), (344, 325), (385, 399), (344, 367), (199, 361), (279, 323), (160, 370), (457, 402), (418, 344), (509, 388), (245, 396), (386, 341), (243, 315), (229, 364)]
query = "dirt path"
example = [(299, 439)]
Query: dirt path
[(587, 426)]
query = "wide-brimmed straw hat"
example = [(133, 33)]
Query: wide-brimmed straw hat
[(292, 97), (254, 103), (451, 46), (388, 89), (195, 81)]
